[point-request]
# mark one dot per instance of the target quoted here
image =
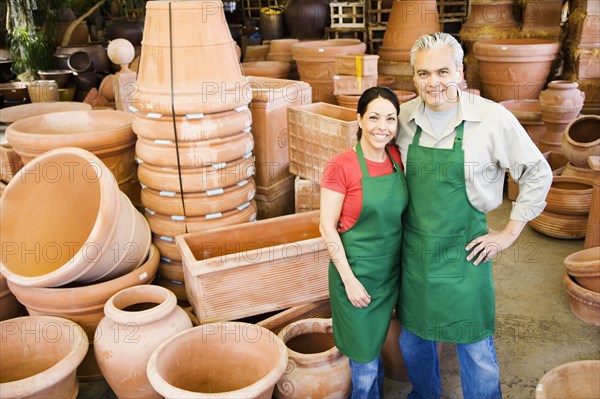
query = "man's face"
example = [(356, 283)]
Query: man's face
[(437, 78)]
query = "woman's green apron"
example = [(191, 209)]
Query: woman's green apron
[(443, 297), (372, 248)]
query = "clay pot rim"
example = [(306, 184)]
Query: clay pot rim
[(59, 371), (165, 301), (580, 264), (519, 50), (581, 294), (326, 50), (572, 179), (250, 391), (576, 121), (524, 109), (563, 84), (23, 108), (559, 370), (288, 332)]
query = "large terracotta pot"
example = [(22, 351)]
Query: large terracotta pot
[(569, 195), (571, 380), (584, 265), (106, 133), (488, 20), (191, 39), (122, 352), (582, 140), (84, 304), (514, 68), (18, 112), (66, 206), (586, 173), (529, 114), (218, 360), (307, 19), (39, 356), (557, 225), (10, 307), (268, 69), (585, 304), (316, 368)]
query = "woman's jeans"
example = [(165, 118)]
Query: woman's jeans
[(479, 372), (367, 379)]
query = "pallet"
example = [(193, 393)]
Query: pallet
[(347, 15), (375, 37), (346, 33), (377, 14)]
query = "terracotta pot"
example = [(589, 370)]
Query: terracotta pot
[(408, 21), (123, 353), (196, 179), (96, 234), (571, 380), (206, 74), (268, 69), (251, 359), (79, 36), (542, 15), (586, 173), (568, 227), (584, 265), (281, 50), (488, 20), (84, 304), (10, 307), (166, 246), (175, 286), (18, 112), (209, 126), (43, 91), (569, 195), (171, 226), (39, 356), (107, 134), (514, 68), (255, 52), (582, 139), (307, 19), (529, 114), (199, 203), (316, 368), (585, 304), (592, 234), (170, 269)]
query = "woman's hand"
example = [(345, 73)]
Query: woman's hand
[(357, 295)]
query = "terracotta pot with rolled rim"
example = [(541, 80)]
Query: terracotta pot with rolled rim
[(577, 379), (488, 20), (514, 68), (529, 114), (107, 134), (122, 352), (582, 140), (167, 247), (557, 225), (569, 195), (585, 304), (316, 368), (18, 112), (66, 203), (206, 73), (39, 356), (586, 173), (84, 304), (251, 359), (269, 69), (10, 307), (281, 50), (584, 265)]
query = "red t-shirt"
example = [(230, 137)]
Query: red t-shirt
[(342, 174)]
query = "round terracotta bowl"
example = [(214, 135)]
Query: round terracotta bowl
[(584, 265), (219, 360), (571, 380), (569, 195), (585, 304), (582, 140), (586, 173), (18, 112), (568, 227), (267, 69), (325, 50), (39, 357)]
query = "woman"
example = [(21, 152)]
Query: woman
[(363, 195)]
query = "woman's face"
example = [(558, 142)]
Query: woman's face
[(378, 123)]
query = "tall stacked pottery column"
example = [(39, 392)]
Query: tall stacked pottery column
[(193, 126)]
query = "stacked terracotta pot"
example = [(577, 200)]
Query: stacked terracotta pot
[(193, 126), (542, 19), (582, 282)]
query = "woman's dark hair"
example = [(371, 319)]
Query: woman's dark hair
[(370, 95)]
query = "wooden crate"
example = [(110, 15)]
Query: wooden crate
[(347, 15), (375, 37), (378, 12), (251, 8), (254, 268), (346, 33), (307, 195), (316, 133)]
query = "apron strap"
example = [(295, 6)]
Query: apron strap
[(457, 140), (363, 163)]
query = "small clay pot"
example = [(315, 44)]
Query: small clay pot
[(582, 140)]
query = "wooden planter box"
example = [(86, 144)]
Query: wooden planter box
[(254, 268)]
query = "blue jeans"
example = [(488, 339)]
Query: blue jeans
[(479, 372), (367, 379)]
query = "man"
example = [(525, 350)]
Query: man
[(457, 147)]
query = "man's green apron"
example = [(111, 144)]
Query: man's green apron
[(372, 248), (443, 297)]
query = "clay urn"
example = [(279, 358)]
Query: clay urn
[(39, 356), (84, 304), (584, 303), (560, 103), (64, 219), (316, 368), (584, 265), (582, 140), (137, 320), (218, 360), (514, 69), (577, 379), (529, 114)]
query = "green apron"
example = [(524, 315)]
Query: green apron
[(372, 247), (443, 296)]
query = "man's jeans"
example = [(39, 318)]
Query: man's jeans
[(479, 372), (367, 379)]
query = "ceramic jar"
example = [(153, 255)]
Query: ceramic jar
[(316, 368), (307, 19), (582, 140), (137, 320)]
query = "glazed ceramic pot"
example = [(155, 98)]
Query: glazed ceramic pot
[(39, 356), (529, 114), (584, 265), (218, 360), (582, 140), (571, 380), (585, 304), (94, 52), (514, 69), (66, 203), (307, 19), (122, 352), (316, 368)]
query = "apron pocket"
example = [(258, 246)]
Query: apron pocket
[(434, 256), (378, 273)]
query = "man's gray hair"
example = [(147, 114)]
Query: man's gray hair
[(438, 40)]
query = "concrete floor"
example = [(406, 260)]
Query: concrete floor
[(536, 330)]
